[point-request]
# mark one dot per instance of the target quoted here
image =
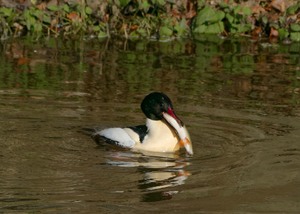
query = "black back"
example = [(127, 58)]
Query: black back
[(141, 130)]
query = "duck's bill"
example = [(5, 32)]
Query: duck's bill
[(181, 131)]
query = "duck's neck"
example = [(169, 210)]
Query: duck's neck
[(160, 136)]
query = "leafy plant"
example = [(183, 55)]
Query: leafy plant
[(7, 17), (163, 19), (237, 19), (209, 20)]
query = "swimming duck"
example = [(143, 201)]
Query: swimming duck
[(163, 131)]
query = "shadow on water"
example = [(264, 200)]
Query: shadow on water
[(238, 98)]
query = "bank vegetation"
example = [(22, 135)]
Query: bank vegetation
[(278, 20)]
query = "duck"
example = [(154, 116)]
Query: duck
[(163, 132)]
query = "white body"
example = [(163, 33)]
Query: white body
[(160, 137)]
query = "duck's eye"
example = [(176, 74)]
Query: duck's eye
[(163, 106)]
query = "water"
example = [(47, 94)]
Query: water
[(238, 98)]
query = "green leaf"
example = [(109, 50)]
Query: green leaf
[(96, 28), (265, 20), (38, 27), (223, 5), (236, 10), (215, 28), (283, 33), (219, 15), (160, 2), (230, 18), (144, 5), (102, 34), (46, 18), (53, 8), (142, 32), (7, 12), (37, 13), (209, 15), (282, 20), (292, 9), (200, 29), (295, 36), (123, 3), (88, 10), (30, 20), (295, 27), (246, 11), (201, 3), (66, 8), (134, 34), (165, 31), (244, 28), (181, 28)]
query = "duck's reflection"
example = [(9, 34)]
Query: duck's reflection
[(160, 171)]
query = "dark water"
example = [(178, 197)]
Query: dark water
[(239, 99)]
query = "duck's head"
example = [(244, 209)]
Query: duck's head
[(158, 106)]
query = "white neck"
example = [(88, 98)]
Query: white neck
[(160, 137)]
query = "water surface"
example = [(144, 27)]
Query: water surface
[(238, 98)]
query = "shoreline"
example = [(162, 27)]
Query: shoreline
[(277, 20)]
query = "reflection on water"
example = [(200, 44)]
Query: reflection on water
[(93, 69), (159, 171), (239, 99)]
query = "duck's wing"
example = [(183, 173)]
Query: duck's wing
[(114, 136), (121, 137)]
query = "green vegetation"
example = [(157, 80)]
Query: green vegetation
[(156, 19)]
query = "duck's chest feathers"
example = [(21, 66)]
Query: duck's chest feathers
[(159, 137)]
